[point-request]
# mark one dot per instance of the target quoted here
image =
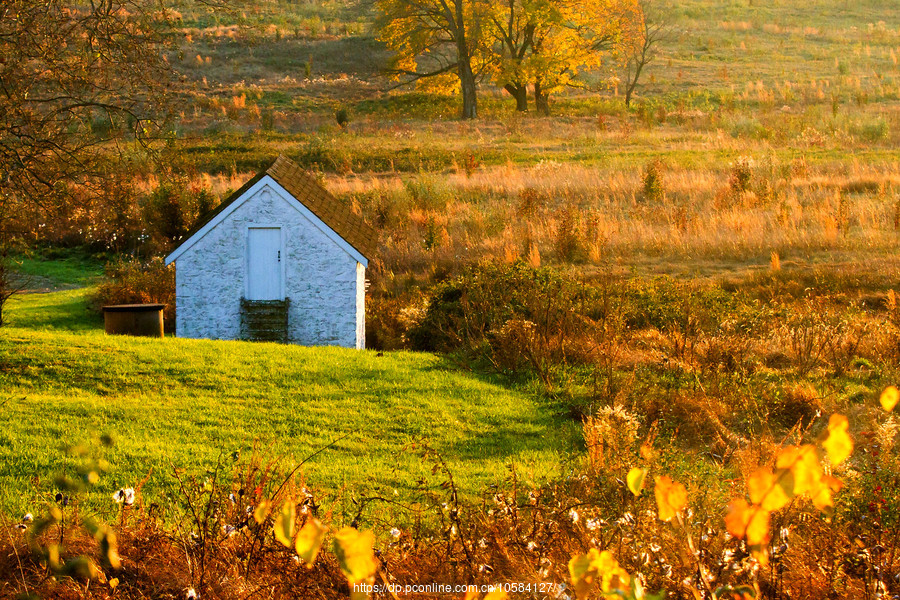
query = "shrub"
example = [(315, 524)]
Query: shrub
[(389, 320), (342, 116), (875, 130), (570, 242), (517, 319), (741, 175), (463, 312), (130, 281), (428, 192), (653, 184), (750, 128), (664, 303), (267, 120), (532, 200), (798, 404)]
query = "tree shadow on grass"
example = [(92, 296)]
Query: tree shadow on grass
[(546, 425), (66, 311)]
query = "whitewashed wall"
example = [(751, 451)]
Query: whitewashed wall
[(324, 283)]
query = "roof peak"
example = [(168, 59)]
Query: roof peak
[(304, 188)]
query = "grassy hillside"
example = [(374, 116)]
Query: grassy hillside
[(182, 403)]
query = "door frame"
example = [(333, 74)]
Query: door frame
[(283, 262)]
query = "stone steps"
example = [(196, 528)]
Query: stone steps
[(264, 320)]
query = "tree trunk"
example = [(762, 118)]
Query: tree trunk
[(464, 66), (520, 93), (541, 99), (469, 91), (631, 82)]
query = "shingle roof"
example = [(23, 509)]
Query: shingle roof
[(306, 190)]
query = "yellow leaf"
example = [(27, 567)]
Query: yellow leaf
[(758, 527), (53, 556), (889, 398), (612, 576), (113, 582), (309, 541), (355, 555), (822, 497), (746, 521), (262, 511), (765, 490), (635, 480), (284, 524), (112, 550), (737, 517), (671, 497), (585, 569), (760, 553), (582, 573), (838, 445), (803, 463)]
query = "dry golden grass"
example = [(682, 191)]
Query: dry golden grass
[(789, 209)]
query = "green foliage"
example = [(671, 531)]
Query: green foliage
[(464, 312), (342, 116), (654, 191), (749, 127), (428, 192), (570, 241), (664, 303)]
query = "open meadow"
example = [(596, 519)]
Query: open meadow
[(625, 349)]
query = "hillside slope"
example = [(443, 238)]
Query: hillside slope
[(183, 403)]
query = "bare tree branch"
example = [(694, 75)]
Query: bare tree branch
[(656, 31)]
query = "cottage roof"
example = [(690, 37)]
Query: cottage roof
[(306, 190)]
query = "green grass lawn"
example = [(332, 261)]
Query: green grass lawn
[(182, 403), (53, 269), (65, 310)]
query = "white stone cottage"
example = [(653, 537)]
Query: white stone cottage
[(280, 259)]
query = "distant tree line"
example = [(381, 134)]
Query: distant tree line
[(541, 45)]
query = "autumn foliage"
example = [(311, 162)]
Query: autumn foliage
[(541, 44)]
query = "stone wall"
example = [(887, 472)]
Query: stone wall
[(321, 279)]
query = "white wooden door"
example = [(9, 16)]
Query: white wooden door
[(264, 264)]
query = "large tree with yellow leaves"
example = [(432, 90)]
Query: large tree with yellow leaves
[(547, 43), (436, 41), (544, 44)]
